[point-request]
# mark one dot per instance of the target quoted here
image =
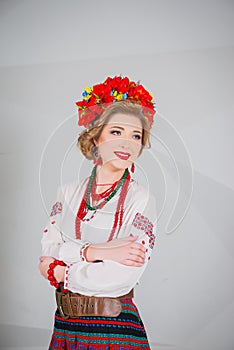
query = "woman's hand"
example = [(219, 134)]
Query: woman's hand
[(123, 250), (59, 273), (43, 266)]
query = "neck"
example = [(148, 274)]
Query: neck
[(105, 174)]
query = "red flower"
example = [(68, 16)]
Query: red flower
[(108, 81), (98, 90), (88, 117), (139, 93), (102, 93), (115, 81), (123, 85), (96, 110), (81, 104), (92, 101), (102, 96)]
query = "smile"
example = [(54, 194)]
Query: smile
[(122, 155)]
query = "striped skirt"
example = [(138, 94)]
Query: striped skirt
[(124, 332)]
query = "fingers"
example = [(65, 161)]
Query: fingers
[(43, 258), (137, 258), (40, 268), (43, 269), (137, 254), (130, 262), (132, 238), (138, 246)]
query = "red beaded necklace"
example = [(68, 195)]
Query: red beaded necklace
[(82, 211), (97, 196)]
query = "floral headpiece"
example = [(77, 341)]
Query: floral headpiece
[(97, 98)]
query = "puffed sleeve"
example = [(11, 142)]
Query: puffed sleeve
[(56, 243), (110, 278)]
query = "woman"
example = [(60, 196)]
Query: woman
[(101, 231)]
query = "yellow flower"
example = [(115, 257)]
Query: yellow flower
[(88, 89), (119, 97), (87, 93)]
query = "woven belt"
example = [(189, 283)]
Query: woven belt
[(76, 305)]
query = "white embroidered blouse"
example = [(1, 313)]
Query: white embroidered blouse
[(107, 277)]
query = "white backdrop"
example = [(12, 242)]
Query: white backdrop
[(182, 51)]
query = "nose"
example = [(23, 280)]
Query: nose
[(125, 143)]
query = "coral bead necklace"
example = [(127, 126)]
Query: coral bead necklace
[(97, 196), (106, 196)]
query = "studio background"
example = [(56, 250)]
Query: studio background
[(182, 51)]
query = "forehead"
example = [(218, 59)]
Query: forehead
[(125, 120)]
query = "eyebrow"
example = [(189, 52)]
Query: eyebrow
[(120, 127)]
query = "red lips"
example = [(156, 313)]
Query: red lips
[(122, 155)]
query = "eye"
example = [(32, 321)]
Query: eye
[(138, 137), (114, 131)]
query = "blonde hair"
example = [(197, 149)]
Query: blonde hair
[(86, 139)]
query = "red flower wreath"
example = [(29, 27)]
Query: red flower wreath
[(98, 97)]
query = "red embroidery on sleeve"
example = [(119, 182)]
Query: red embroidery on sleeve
[(141, 222), (82, 257), (56, 208), (66, 276)]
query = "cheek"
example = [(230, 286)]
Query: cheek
[(104, 138), (108, 143), (137, 147), (140, 149), (106, 148)]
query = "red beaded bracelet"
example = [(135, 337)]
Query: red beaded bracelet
[(50, 273)]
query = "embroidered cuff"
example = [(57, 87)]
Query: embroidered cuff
[(66, 275), (85, 245)]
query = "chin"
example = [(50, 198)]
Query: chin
[(119, 164)]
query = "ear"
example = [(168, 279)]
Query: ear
[(95, 141)]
